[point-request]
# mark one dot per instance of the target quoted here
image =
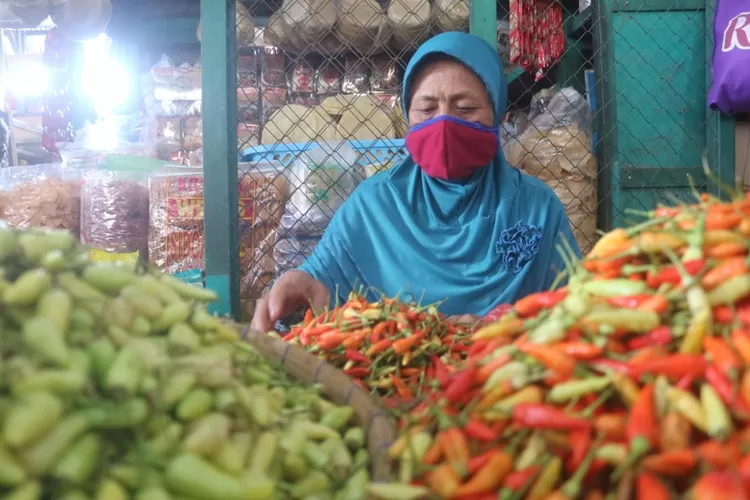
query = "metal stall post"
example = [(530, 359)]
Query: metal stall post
[(483, 20), (218, 54)]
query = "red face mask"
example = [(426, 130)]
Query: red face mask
[(449, 148)]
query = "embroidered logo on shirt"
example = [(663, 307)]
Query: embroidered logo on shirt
[(518, 245)]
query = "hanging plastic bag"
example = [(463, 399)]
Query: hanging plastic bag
[(321, 180), (730, 67), (556, 148)]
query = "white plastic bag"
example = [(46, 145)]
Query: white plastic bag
[(321, 180)]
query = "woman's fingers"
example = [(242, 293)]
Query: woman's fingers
[(464, 319), (295, 290), (261, 320)]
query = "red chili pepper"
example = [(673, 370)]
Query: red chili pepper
[(685, 382), (673, 366), (331, 340), (658, 336), (357, 372), (672, 274), (725, 389), (460, 385), (722, 356), (476, 429), (629, 302), (479, 461), (357, 356), (441, 374), (642, 430), (540, 416), (378, 347), (477, 347), (402, 345), (520, 478), (579, 350), (532, 304), (580, 443), (648, 487), (720, 484)]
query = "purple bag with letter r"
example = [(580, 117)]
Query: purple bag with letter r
[(730, 67)]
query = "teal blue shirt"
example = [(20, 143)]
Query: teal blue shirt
[(472, 245)]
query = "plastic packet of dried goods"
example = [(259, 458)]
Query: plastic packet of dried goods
[(192, 132), (556, 147), (363, 25), (247, 70), (328, 77), (321, 180), (248, 104), (94, 143), (291, 251), (301, 77), (452, 15), (409, 22), (383, 75), (272, 68), (356, 76), (47, 195), (280, 34), (115, 206), (310, 19)]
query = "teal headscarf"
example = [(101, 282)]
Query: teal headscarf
[(473, 245)]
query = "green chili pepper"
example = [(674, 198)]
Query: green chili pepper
[(341, 461), (195, 404), (315, 482), (74, 495), (532, 453), (123, 415), (295, 467), (568, 391), (265, 451), (126, 371), (396, 491), (634, 320), (188, 291), (80, 362), (11, 472), (27, 288), (109, 489), (731, 291), (618, 287), (338, 417), (81, 319), (232, 456), (256, 375), (192, 476), (547, 480), (260, 411), (174, 314), (361, 458), (40, 457), (355, 438), (612, 453), (109, 279), (43, 337), (56, 305), (28, 491), (102, 353), (80, 290), (718, 421), (208, 434), (315, 455), (151, 285), (505, 373), (183, 339), (258, 486), (318, 432), (54, 381), (164, 443), (203, 321), (78, 463), (141, 327), (153, 493), (32, 417), (175, 388), (553, 329)]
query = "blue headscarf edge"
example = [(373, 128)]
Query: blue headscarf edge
[(472, 52)]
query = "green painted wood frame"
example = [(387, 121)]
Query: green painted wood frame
[(218, 56), (621, 177)]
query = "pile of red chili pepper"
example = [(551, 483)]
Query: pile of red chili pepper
[(389, 347), (630, 382)]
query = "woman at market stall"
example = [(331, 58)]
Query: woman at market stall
[(453, 223)]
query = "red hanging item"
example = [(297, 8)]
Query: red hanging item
[(57, 124), (537, 36)]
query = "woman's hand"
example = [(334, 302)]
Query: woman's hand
[(292, 291)]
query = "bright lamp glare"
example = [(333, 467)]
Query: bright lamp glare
[(28, 81), (102, 78)]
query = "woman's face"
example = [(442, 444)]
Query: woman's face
[(449, 88)]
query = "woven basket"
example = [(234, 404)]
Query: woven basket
[(340, 389)]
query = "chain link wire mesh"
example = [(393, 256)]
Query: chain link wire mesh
[(319, 110)]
